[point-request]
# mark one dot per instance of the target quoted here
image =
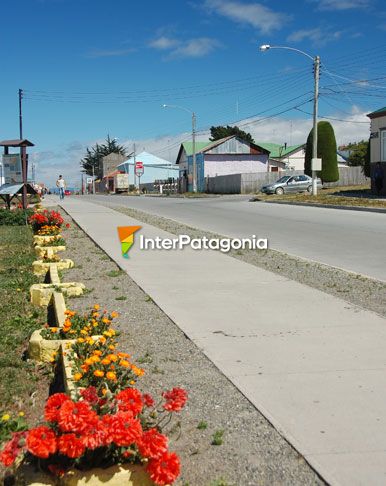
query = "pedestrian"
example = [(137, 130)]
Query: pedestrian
[(61, 185), (378, 178)]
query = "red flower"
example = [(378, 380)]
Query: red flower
[(67, 225), (148, 400), (76, 417), (12, 448), (71, 446), (124, 429), (130, 400), (41, 442), (175, 399), (96, 436), (53, 404), (90, 395), (165, 469), (152, 444)]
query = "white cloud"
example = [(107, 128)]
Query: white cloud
[(318, 36), (196, 47), (253, 14), (342, 4), (163, 42), (199, 47)]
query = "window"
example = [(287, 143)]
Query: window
[(383, 145)]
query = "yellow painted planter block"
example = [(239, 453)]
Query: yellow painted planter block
[(41, 349), (58, 306), (41, 240), (119, 475), (53, 276), (41, 268), (42, 251), (41, 293)]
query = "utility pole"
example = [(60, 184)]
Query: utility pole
[(315, 124), (23, 154), (93, 179), (194, 152), (134, 171)]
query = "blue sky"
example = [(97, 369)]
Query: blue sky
[(92, 67)]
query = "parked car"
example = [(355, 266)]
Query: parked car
[(288, 184), (67, 192)]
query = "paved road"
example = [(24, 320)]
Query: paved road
[(352, 240)]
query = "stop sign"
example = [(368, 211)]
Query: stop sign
[(139, 169)]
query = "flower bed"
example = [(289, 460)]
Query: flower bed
[(102, 423)]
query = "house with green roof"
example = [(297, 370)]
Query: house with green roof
[(378, 146), (229, 155), (284, 157)]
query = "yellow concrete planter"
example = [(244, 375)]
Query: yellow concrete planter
[(41, 240), (52, 275), (119, 475), (41, 268), (42, 293), (57, 308), (41, 349), (48, 251)]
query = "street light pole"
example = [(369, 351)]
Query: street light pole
[(194, 181), (316, 61)]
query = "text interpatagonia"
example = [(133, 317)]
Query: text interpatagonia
[(203, 243)]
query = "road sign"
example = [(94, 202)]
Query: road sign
[(139, 169), (89, 180)]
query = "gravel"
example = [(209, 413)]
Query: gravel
[(253, 452)]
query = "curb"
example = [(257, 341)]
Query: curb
[(327, 206)]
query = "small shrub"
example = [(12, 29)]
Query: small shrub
[(17, 217), (218, 438)]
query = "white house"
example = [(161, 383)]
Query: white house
[(155, 168)]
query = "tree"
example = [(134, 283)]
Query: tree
[(326, 151), (216, 133), (358, 151), (92, 161)]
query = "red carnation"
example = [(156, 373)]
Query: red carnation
[(165, 469), (148, 400), (175, 399), (76, 417), (41, 442), (96, 436), (53, 404), (152, 444), (124, 429), (130, 400), (71, 446)]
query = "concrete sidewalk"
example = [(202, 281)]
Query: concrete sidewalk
[(313, 364)]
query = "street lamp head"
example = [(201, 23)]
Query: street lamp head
[(264, 47), (164, 106)]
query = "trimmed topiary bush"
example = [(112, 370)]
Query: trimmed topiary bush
[(326, 152)]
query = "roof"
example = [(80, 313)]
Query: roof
[(377, 113), (188, 146), (16, 143), (278, 151), (208, 145), (8, 189), (112, 174), (147, 159)]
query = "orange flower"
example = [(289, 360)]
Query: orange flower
[(104, 391), (97, 306), (102, 339), (137, 371), (105, 361), (88, 362), (81, 340), (124, 363), (112, 357), (97, 352), (114, 314), (54, 329), (110, 375), (67, 323), (112, 367), (132, 382), (111, 347), (77, 376), (106, 321), (95, 359), (124, 355), (84, 368), (96, 314), (99, 373)]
